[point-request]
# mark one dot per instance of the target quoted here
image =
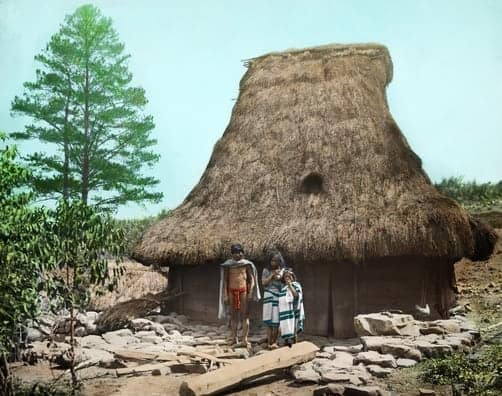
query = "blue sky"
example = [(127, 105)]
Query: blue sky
[(446, 94)]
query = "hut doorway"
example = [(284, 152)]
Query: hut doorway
[(329, 292)]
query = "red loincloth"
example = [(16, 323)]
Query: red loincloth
[(236, 296)]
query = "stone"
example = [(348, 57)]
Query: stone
[(429, 349), (432, 338), (92, 315), (120, 337), (242, 352), (86, 319), (377, 371), (33, 334), (305, 373), (343, 359), (454, 342), (352, 390), (374, 343), (324, 355), (92, 328), (385, 323), (81, 331), (63, 326), (46, 330), (159, 329), (182, 319), (329, 390), (448, 325), (152, 339), (92, 341), (401, 351), (337, 376), (145, 333), (372, 357), (120, 333), (158, 318), (139, 324), (465, 338), (459, 309), (175, 333), (169, 326), (428, 392), (405, 362), (88, 357), (47, 320), (432, 330), (349, 348)]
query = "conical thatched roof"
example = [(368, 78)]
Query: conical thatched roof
[(312, 163)]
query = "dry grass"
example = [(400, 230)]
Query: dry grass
[(136, 282), (306, 116)]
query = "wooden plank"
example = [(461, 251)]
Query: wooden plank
[(128, 354), (232, 375), (203, 355), (230, 355), (144, 368)]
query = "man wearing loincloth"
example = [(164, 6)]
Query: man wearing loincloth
[(238, 286)]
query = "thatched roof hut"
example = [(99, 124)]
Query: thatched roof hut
[(312, 163)]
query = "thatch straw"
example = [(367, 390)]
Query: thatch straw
[(312, 163), (118, 316), (136, 282)]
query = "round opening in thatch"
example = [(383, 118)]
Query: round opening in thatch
[(312, 184)]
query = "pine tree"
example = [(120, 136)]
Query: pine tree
[(83, 104)]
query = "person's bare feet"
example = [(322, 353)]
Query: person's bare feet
[(245, 344)]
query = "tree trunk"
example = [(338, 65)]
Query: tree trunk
[(5, 377), (66, 143), (85, 151)]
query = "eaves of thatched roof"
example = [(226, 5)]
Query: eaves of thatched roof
[(313, 163)]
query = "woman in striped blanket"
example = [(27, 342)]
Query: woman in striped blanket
[(272, 284), (291, 313)]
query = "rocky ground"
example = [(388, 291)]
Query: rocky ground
[(159, 352), (153, 355)]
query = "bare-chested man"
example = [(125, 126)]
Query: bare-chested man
[(237, 287)]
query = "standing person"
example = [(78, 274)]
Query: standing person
[(291, 313), (238, 285), (272, 284)]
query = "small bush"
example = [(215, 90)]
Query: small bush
[(134, 228), (471, 194), (45, 389), (480, 375)]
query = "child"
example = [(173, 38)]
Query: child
[(272, 284), (291, 313)]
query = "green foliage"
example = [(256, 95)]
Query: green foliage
[(62, 252), (472, 195), (83, 105), (133, 229), (83, 242), (45, 389), (480, 376), (24, 248)]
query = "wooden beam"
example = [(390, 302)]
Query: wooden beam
[(146, 368), (128, 354), (234, 374), (202, 355)]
